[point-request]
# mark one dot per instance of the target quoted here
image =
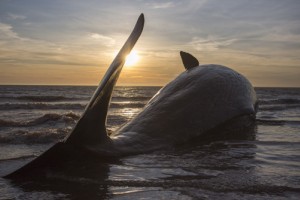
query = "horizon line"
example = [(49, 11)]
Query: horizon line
[(86, 85)]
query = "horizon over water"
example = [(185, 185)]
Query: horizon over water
[(125, 85), (263, 166)]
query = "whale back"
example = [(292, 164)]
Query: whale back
[(197, 101)]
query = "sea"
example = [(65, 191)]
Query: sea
[(265, 166)]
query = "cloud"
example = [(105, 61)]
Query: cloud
[(7, 32), (161, 5), (240, 33), (16, 49), (16, 17), (210, 44), (107, 41)]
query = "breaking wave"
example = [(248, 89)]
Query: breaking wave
[(19, 157), (34, 137), (66, 117), (44, 106), (38, 98)]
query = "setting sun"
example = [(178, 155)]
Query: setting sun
[(132, 58)]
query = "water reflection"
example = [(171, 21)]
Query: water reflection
[(71, 173), (210, 167)]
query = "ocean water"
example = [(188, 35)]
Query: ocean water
[(265, 166)]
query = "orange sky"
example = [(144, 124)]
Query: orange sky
[(73, 42)]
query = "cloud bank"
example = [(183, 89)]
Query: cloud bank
[(260, 39)]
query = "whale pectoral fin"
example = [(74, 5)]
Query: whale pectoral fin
[(188, 60), (91, 127)]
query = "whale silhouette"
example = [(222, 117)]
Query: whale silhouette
[(201, 99)]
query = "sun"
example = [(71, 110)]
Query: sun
[(132, 58)]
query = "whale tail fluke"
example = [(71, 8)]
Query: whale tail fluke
[(91, 127)]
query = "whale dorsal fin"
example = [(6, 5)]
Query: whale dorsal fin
[(188, 60), (91, 127)]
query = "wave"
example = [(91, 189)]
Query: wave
[(45, 136), (67, 118), (140, 98), (34, 137), (277, 143), (276, 122), (63, 106), (278, 107), (18, 158), (38, 98), (44, 98), (43, 106), (127, 105), (280, 101)]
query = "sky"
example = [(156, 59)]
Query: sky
[(73, 42)]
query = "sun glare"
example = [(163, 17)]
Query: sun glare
[(132, 58)]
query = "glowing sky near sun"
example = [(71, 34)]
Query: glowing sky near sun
[(74, 42)]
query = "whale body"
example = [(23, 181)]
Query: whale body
[(201, 99), (198, 100)]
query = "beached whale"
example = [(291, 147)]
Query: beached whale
[(201, 99)]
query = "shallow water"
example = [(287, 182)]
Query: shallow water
[(265, 166)]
